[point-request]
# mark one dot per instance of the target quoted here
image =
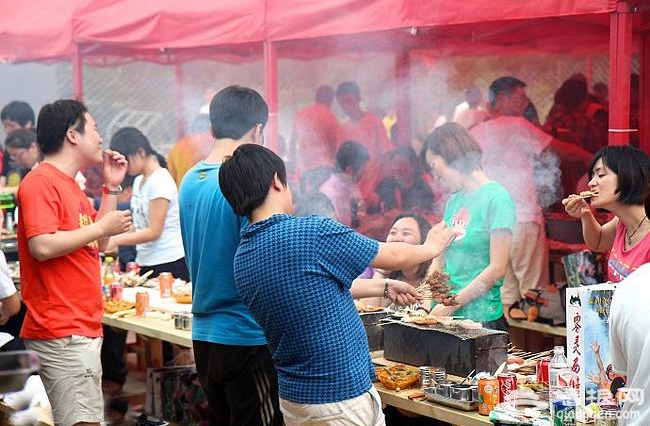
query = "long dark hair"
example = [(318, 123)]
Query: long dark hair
[(129, 140)]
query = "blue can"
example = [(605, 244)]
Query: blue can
[(564, 412)]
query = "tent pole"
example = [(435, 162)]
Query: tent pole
[(178, 94), (403, 101), (271, 132), (644, 101), (620, 54), (77, 74)]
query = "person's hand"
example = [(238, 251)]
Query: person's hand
[(443, 310), (576, 206), (439, 237), (115, 222), (402, 293), (595, 346), (113, 168)]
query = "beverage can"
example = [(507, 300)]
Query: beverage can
[(488, 395), (141, 303), (542, 370), (165, 280), (426, 377), (564, 412), (507, 388), (117, 290)]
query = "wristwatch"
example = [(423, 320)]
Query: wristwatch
[(112, 191)]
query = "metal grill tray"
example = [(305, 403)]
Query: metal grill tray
[(431, 395)]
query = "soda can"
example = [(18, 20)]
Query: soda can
[(165, 280), (133, 266), (141, 303), (542, 370), (564, 412), (507, 388), (426, 377), (116, 290), (488, 395)]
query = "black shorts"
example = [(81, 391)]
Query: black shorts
[(240, 384)]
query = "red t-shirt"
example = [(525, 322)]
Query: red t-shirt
[(370, 132), (63, 295)]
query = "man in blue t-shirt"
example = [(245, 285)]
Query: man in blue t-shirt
[(233, 361), (295, 275)]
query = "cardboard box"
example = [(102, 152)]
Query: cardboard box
[(587, 322)]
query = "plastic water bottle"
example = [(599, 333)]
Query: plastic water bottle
[(562, 393)]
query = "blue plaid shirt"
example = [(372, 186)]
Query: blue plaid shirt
[(294, 274)]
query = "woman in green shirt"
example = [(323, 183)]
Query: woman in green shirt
[(483, 214)]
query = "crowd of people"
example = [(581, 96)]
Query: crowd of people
[(293, 350)]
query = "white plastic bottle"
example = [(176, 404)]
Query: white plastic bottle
[(561, 381)]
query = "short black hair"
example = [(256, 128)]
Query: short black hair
[(235, 110), (351, 154), (348, 87), (246, 177), (503, 85), (18, 111), (55, 119), (632, 166), (21, 138)]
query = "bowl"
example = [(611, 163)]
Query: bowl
[(444, 389), (461, 392)]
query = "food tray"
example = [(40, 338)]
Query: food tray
[(15, 368), (431, 395)]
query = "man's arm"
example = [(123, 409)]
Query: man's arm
[(48, 246), (9, 306), (398, 255)]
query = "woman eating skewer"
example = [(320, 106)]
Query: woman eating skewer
[(619, 182)]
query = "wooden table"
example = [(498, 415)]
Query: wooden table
[(535, 336), (154, 330), (430, 409)]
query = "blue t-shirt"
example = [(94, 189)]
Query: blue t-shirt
[(476, 215), (295, 276), (210, 231)]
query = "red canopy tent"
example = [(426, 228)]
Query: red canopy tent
[(169, 31)]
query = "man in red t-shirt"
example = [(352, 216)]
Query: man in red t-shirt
[(59, 238), (315, 136), (367, 129)]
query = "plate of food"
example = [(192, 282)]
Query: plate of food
[(398, 376)]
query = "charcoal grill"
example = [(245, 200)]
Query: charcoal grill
[(455, 348)]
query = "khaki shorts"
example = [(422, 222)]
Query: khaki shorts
[(71, 371), (364, 410)]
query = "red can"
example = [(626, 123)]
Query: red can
[(542, 370), (507, 388), (165, 279), (488, 395), (116, 290), (133, 266), (141, 303)]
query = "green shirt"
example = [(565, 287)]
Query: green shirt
[(477, 215)]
